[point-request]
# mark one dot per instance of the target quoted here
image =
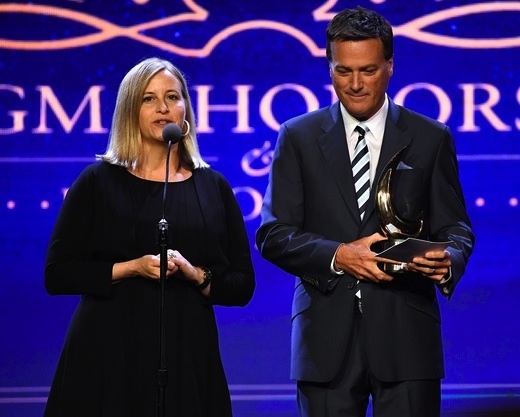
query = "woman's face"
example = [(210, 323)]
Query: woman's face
[(162, 104)]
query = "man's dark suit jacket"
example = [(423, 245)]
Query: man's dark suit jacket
[(310, 208)]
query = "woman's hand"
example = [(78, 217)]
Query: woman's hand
[(191, 273), (147, 266)]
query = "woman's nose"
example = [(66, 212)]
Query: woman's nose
[(162, 107)]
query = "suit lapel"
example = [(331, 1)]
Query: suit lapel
[(333, 145), (396, 137)]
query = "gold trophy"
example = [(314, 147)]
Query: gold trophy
[(394, 226)]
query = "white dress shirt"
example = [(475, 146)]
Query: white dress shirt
[(374, 138)]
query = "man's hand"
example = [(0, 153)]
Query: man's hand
[(434, 265), (357, 259)]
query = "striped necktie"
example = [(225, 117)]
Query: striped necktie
[(361, 170)]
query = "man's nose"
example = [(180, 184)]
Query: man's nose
[(356, 81)]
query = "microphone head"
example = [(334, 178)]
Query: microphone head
[(172, 133)]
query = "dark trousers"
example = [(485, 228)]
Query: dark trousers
[(348, 394)]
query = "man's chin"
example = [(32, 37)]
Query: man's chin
[(360, 112)]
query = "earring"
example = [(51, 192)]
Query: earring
[(188, 127)]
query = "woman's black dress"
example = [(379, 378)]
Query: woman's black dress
[(110, 359)]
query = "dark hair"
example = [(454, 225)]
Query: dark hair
[(360, 24)]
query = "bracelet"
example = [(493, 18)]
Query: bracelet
[(207, 278)]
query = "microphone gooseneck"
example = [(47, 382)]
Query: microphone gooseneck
[(171, 134)]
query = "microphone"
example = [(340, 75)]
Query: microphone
[(171, 133)]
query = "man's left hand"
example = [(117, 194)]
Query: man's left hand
[(434, 265)]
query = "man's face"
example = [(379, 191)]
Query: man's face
[(360, 75)]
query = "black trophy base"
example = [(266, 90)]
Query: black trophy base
[(390, 269)]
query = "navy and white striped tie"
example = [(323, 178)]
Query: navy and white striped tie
[(361, 170)]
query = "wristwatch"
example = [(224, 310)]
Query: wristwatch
[(207, 278)]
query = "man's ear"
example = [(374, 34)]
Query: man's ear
[(390, 64)]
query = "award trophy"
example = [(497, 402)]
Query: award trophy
[(396, 228)]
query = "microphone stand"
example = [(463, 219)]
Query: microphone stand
[(162, 240)]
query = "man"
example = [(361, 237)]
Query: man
[(359, 332)]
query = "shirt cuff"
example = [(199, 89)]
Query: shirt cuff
[(333, 263), (446, 278)]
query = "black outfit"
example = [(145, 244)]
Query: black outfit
[(108, 366)]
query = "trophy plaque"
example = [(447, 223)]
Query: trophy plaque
[(394, 226)]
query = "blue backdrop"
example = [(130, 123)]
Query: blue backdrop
[(250, 66)]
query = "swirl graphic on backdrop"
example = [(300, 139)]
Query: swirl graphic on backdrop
[(263, 154), (414, 29)]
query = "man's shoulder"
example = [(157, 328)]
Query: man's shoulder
[(312, 118), (413, 117)]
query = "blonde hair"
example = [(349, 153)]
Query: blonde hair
[(125, 142)]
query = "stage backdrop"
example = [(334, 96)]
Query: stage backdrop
[(250, 66)]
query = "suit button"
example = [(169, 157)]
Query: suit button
[(350, 285)]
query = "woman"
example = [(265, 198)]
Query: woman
[(104, 247)]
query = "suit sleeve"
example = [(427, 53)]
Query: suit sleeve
[(282, 238), (448, 218)]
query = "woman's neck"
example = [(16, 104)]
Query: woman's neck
[(152, 165)]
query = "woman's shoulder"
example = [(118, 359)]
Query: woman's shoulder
[(102, 168), (209, 174), (211, 180), (100, 172)]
